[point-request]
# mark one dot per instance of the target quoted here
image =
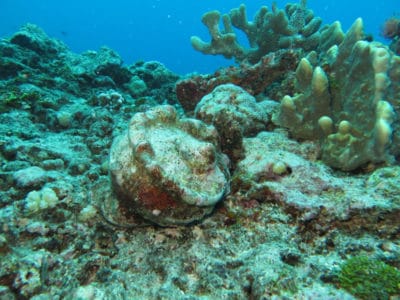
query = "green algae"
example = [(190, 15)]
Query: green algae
[(369, 278)]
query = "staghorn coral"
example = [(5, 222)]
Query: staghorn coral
[(294, 27), (348, 102), (166, 169)]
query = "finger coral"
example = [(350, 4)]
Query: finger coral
[(271, 30), (347, 101)]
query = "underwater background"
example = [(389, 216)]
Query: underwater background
[(160, 30), (135, 165)]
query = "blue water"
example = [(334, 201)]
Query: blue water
[(160, 29)]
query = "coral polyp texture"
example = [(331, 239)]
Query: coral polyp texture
[(271, 30), (166, 169), (348, 99)]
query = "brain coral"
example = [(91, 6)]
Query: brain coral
[(166, 169)]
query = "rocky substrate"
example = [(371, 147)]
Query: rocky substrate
[(283, 231)]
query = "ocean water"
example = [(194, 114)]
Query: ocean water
[(160, 29)]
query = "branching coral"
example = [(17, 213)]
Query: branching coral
[(343, 92), (294, 27), (349, 102)]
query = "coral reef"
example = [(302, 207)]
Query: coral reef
[(289, 226), (348, 101), (275, 170), (34, 38), (235, 114), (391, 31), (391, 28), (278, 40), (168, 170), (40, 200), (269, 72), (294, 27), (159, 82)]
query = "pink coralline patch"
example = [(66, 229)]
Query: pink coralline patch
[(249, 204), (189, 91), (155, 199)]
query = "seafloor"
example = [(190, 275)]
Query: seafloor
[(282, 235)]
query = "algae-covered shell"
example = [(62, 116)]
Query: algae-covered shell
[(164, 171)]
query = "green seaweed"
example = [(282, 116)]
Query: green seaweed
[(14, 99), (369, 278)]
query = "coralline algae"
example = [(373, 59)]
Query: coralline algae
[(169, 170)]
